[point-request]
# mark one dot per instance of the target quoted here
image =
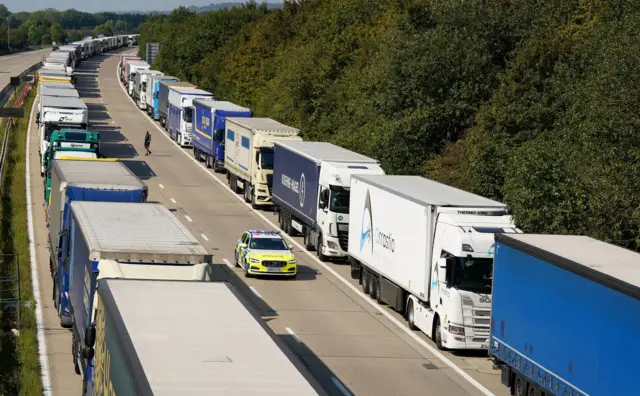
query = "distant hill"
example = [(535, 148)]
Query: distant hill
[(218, 6)]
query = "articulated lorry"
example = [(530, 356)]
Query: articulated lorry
[(248, 156), (311, 192), (143, 87), (209, 128), (124, 240), (542, 282), (69, 143), (122, 66), (153, 94), (139, 347), (163, 99), (180, 118), (426, 249), (58, 113), (106, 180), (133, 67)]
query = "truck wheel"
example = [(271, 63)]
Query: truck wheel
[(520, 386), (378, 290), (437, 337), (366, 282), (411, 321), (247, 192), (532, 391), (373, 293), (55, 295), (307, 240), (320, 250)]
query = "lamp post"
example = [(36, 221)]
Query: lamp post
[(8, 31)]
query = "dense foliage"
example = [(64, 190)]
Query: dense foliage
[(44, 26), (530, 102)]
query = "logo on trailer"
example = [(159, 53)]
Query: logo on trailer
[(302, 191), (367, 225)]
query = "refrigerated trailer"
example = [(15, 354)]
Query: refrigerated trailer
[(163, 99), (564, 316), (311, 192), (124, 240), (220, 346), (426, 249)]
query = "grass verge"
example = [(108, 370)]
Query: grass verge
[(19, 364)]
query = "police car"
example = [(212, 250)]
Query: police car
[(265, 252)]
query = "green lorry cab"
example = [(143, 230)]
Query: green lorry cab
[(69, 144)]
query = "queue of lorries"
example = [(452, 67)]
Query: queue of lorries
[(453, 263), (123, 267)]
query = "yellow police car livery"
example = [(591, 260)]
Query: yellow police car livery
[(263, 252)]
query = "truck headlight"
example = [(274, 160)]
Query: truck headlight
[(456, 330), (254, 260)]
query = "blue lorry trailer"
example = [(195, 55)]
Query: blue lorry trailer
[(209, 129), (124, 240), (155, 93), (82, 180), (564, 316)]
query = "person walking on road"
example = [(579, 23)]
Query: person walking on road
[(147, 143)]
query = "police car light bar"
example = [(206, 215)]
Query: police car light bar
[(264, 232)]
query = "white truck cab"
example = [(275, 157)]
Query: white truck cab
[(146, 87)]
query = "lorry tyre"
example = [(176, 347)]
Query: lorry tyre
[(373, 293), (307, 240), (520, 386), (366, 282), (437, 335), (410, 316), (378, 290), (55, 295), (320, 249), (247, 192)]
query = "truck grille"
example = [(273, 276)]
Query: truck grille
[(274, 263), (343, 237)]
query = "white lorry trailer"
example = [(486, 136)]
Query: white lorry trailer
[(144, 87), (311, 192), (56, 113), (219, 346), (134, 67), (426, 249), (180, 117), (248, 156)]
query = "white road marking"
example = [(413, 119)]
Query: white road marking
[(255, 292), (313, 258), (161, 186), (294, 335), (204, 237), (340, 387), (42, 343), (173, 200), (188, 218), (228, 263)]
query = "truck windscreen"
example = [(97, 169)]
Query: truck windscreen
[(339, 201), (266, 158), (187, 114), (473, 274)]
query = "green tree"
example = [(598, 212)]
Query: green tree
[(57, 33)]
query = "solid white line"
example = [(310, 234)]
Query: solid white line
[(340, 387), (42, 343), (354, 289), (294, 335), (173, 200), (204, 237), (256, 292), (228, 263), (188, 218), (161, 186)]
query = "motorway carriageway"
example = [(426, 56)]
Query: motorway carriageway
[(350, 344), (13, 65)]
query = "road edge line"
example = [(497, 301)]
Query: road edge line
[(333, 272), (45, 376)]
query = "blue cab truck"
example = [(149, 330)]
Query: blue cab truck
[(209, 130), (124, 240), (82, 180), (155, 94), (564, 316)]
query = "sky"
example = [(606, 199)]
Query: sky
[(109, 5)]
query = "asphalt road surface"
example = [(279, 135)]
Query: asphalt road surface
[(350, 345), (12, 65)]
